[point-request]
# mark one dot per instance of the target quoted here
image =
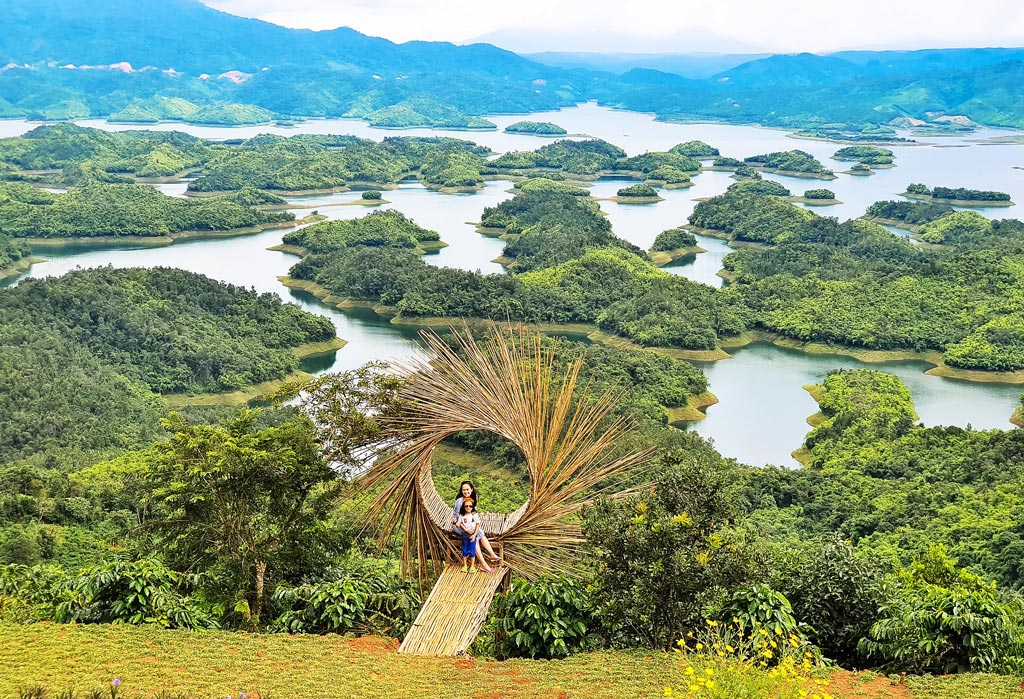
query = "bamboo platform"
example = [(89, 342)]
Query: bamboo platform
[(454, 612)]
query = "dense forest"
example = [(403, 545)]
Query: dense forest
[(97, 209), (169, 330)]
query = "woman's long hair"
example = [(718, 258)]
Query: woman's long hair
[(472, 491)]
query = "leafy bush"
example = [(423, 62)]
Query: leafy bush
[(371, 195), (366, 599), (836, 593), (546, 618), (663, 558), (133, 592), (758, 607), (939, 618)]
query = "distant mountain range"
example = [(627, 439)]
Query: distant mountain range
[(149, 60)]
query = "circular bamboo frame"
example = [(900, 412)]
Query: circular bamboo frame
[(512, 386)]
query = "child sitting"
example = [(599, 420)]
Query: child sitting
[(469, 526)]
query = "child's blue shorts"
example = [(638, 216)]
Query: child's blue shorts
[(468, 547)]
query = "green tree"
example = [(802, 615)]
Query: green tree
[(238, 501)]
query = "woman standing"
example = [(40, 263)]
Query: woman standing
[(468, 491)]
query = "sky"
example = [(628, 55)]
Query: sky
[(658, 26)]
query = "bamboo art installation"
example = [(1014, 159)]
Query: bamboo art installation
[(508, 385)]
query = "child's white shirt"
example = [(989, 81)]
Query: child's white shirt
[(468, 522)]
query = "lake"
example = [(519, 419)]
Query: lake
[(762, 415)]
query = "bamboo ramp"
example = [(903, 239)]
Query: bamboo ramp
[(454, 612)]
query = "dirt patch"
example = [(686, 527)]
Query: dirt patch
[(865, 685)]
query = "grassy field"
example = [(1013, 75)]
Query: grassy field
[(151, 660)]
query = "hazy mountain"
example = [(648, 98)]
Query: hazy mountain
[(254, 67), (692, 40), (191, 37), (688, 65)]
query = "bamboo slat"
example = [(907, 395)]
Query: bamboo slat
[(453, 613)]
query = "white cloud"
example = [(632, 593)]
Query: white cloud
[(605, 25)]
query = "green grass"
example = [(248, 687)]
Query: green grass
[(150, 659), (967, 686)]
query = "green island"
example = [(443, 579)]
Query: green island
[(589, 159), (872, 156), (536, 128), (637, 194), (817, 197), (695, 149), (796, 163), (672, 244), (755, 184), (724, 162), (873, 134), (860, 170), (100, 211), (906, 214), (958, 196), (387, 229), (669, 177)]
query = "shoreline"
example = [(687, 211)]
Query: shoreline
[(156, 241), (586, 330), (660, 258), (813, 202), (966, 203), (693, 411), (595, 334), (869, 356), (19, 267)]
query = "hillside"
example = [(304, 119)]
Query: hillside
[(259, 71)]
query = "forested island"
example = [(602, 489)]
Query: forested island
[(123, 210), (866, 155), (637, 194), (958, 196), (672, 244), (536, 128), (796, 163)]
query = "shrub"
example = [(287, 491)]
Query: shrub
[(547, 618), (132, 592), (663, 558), (364, 599), (371, 195), (836, 593), (759, 607), (941, 619)]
